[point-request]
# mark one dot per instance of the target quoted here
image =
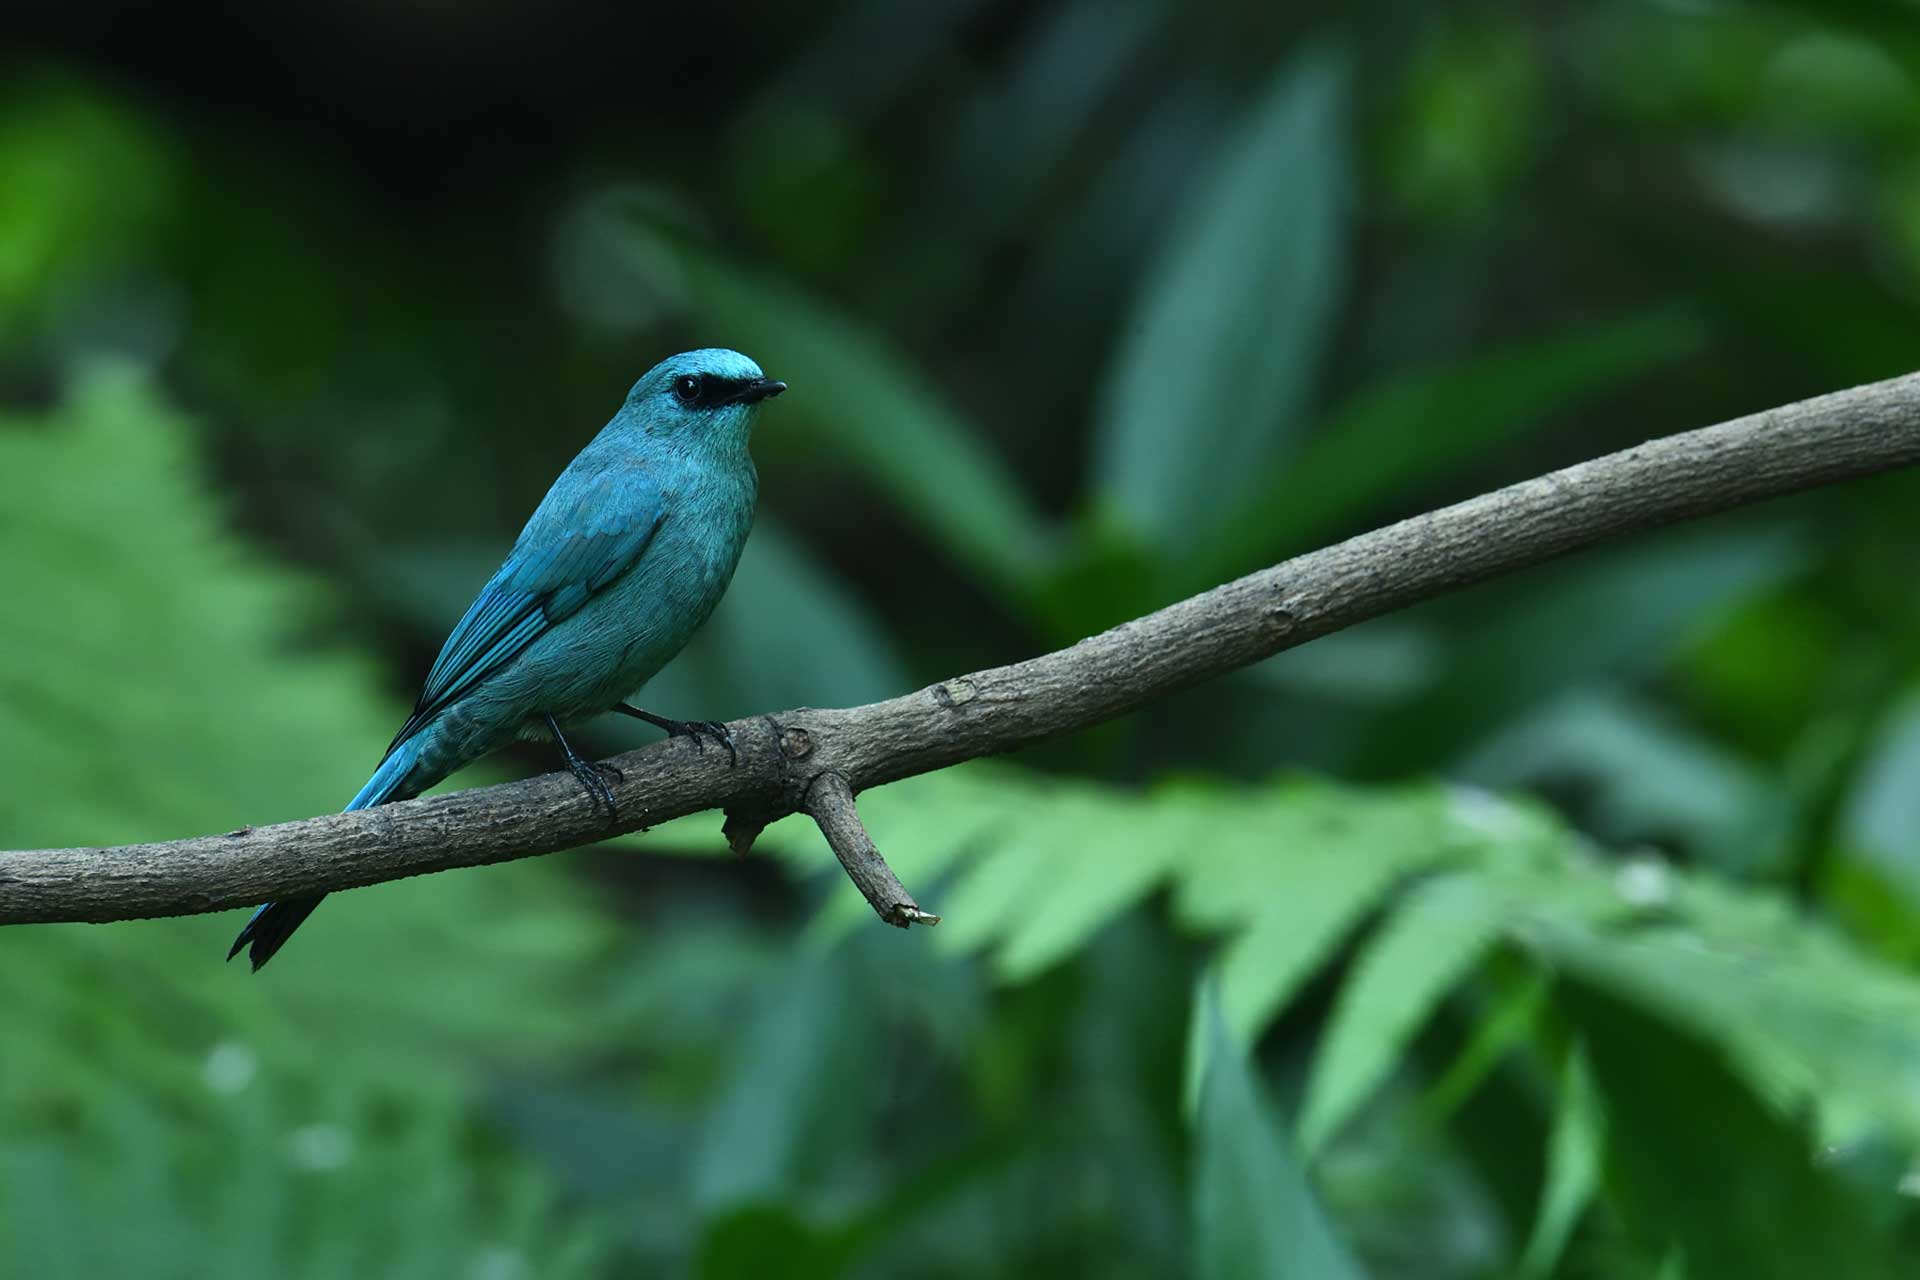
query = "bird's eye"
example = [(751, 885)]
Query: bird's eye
[(687, 388)]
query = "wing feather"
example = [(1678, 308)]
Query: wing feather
[(583, 537)]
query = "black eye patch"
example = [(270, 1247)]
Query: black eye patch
[(707, 390)]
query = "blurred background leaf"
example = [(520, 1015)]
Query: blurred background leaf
[(1215, 366), (1254, 1214)]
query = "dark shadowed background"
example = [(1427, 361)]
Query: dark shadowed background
[(1567, 927)]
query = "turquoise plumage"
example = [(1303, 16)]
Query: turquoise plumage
[(628, 554)]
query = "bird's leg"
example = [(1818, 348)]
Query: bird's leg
[(587, 771), (686, 729)]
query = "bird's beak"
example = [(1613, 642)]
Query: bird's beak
[(757, 390)]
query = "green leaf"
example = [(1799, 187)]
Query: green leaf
[(1310, 889), (787, 1090), (1644, 777), (1255, 1217), (1425, 424), (1504, 1025), (1254, 835), (998, 890), (85, 188), (1116, 860), (767, 1240), (1882, 815), (1573, 1169), (1216, 363), (1408, 967), (1696, 1164), (1603, 616), (1807, 1022)]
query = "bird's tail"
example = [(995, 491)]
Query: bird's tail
[(270, 927), (274, 923)]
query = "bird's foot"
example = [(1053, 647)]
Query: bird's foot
[(592, 775), (712, 728), (688, 729)]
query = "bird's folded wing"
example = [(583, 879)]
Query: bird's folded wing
[(582, 538)]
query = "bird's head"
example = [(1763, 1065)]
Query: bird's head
[(701, 397)]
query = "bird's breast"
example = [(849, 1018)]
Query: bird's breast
[(656, 607)]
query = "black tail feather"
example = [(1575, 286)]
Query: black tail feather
[(270, 928)]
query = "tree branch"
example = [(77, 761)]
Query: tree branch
[(829, 802), (814, 761)]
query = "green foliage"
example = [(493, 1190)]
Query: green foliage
[(83, 187), (1254, 1214), (1573, 1167), (238, 1126), (1882, 818), (1424, 425), (1804, 1024), (1415, 959), (170, 613), (1773, 1212), (1213, 375)]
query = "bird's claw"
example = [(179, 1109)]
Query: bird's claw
[(712, 728), (687, 729), (593, 776)]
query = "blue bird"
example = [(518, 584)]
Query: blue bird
[(625, 558)]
